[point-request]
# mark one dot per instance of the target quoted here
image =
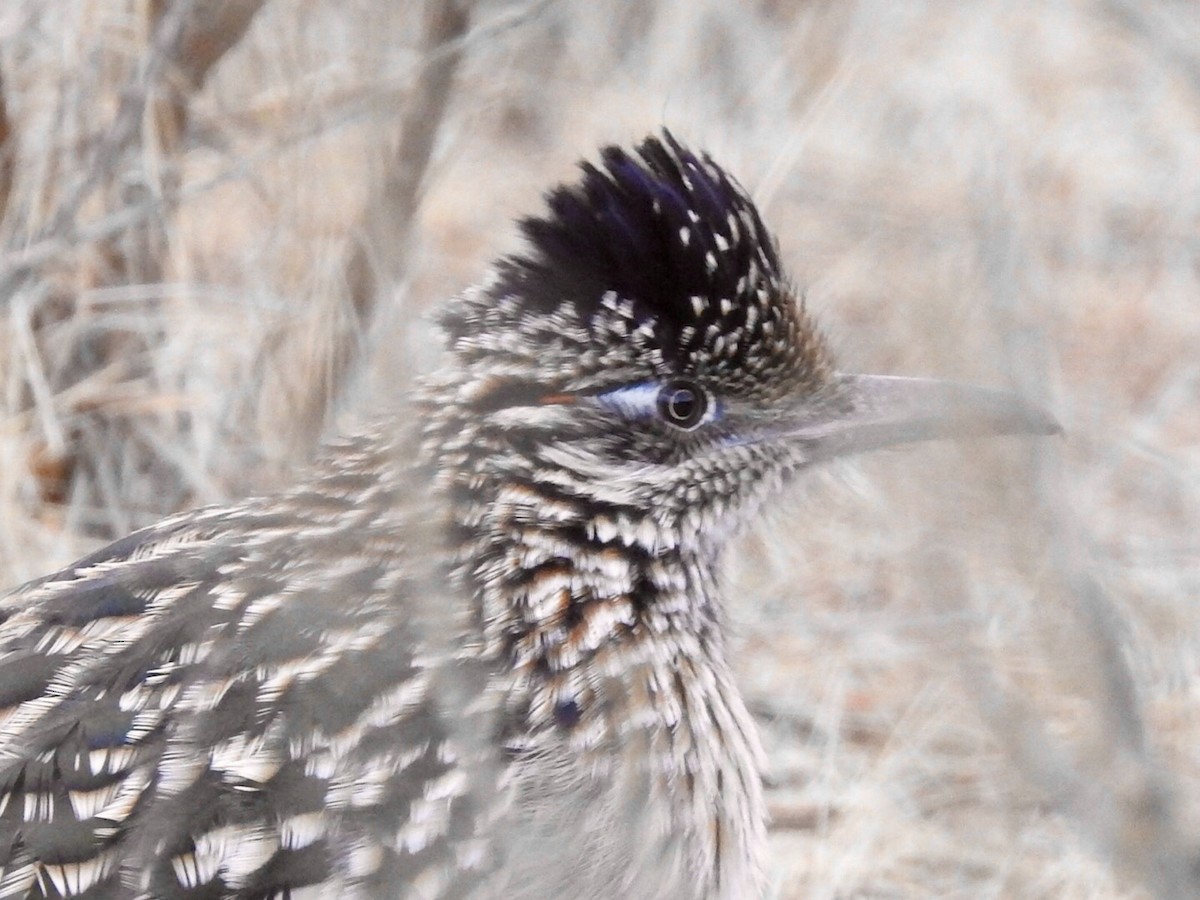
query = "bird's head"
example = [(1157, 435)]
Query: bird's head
[(647, 352)]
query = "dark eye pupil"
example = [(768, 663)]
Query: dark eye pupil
[(682, 403)]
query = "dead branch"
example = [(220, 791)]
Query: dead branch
[(1108, 784), (126, 126), (213, 30), (7, 152), (378, 257), (40, 249), (105, 454), (1163, 29)]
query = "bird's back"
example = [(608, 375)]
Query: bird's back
[(282, 697), (228, 702)]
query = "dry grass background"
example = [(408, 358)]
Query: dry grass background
[(977, 667)]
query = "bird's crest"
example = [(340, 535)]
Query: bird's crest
[(664, 241), (658, 226)]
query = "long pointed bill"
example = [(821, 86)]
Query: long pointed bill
[(875, 411)]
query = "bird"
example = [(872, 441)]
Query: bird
[(479, 650)]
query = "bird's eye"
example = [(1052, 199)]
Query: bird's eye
[(683, 404)]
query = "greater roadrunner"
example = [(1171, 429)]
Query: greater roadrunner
[(480, 652)]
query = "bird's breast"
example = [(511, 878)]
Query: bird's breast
[(635, 766), (655, 795)]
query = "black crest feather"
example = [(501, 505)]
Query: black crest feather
[(659, 256), (657, 226)]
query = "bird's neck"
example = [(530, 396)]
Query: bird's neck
[(573, 595), (615, 652), (604, 634), (588, 597)]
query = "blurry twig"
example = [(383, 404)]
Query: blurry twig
[(7, 151), (103, 452), (214, 29), (188, 39), (1109, 786), (205, 34), (122, 133), (1162, 29), (126, 125), (17, 262), (378, 258), (1127, 811)]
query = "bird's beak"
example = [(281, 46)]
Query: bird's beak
[(868, 412)]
